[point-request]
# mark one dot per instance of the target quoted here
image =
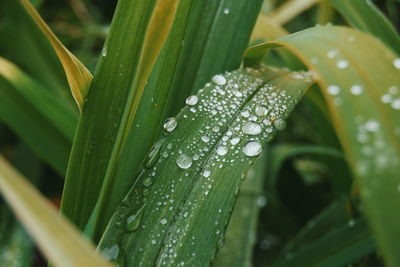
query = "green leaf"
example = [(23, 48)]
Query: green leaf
[(333, 216), (16, 247), (364, 108), (240, 234), (281, 153), (338, 247), (217, 34), (24, 44), (291, 9), (365, 16), (41, 118), (154, 75), (56, 237), (124, 144), (78, 76), (195, 170)]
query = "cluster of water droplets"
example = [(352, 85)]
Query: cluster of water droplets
[(377, 154), (236, 148), (224, 125), (391, 97)]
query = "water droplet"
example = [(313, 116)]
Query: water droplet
[(261, 201), (234, 140), (386, 98), (170, 124), (222, 150), (110, 253), (279, 124), (154, 153), (333, 89), (219, 79), (133, 221), (163, 221), (206, 173), (342, 64), (226, 11), (332, 53), (215, 129), (192, 100), (396, 104), (104, 51), (245, 114), (251, 128), (147, 181), (396, 63), (261, 110), (393, 90), (205, 139), (356, 89), (351, 223), (252, 149), (184, 161), (372, 126)]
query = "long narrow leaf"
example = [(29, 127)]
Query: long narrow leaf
[(365, 16), (78, 76), (195, 170), (364, 104), (148, 117), (240, 235), (59, 241), (338, 247), (100, 121), (217, 34), (42, 119)]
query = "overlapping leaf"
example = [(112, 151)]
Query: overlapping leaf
[(359, 78), (78, 76), (365, 16), (42, 119), (57, 238), (196, 169)]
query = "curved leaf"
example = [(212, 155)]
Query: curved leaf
[(365, 16), (78, 76), (42, 119), (360, 80), (194, 172), (57, 238)]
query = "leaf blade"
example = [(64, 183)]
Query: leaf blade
[(356, 49), (44, 223), (159, 224), (79, 78)]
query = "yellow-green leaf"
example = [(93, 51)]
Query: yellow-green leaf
[(78, 76), (56, 237), (359, 78)]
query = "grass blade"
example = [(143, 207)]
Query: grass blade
[(78, 76), (24, 44), (165, 220), (240, 234), (291, 9), (365, 16), (16, 247), (364, 108), (338, 247), (217, 34), (59, 241), (107, 98), (25, 104), (135, 142)]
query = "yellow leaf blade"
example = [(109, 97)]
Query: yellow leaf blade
[(78, 75), (55, 236)]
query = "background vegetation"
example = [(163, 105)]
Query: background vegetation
[(88, 129)]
